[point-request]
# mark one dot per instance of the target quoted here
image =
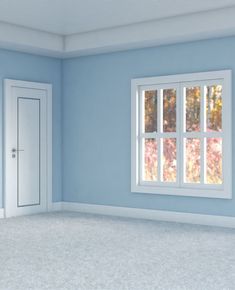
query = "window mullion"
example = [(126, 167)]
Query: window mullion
[(181, 104), (159, 130), (178, 133), (202, 130), (203, 134), (159, 135), (148, 135)]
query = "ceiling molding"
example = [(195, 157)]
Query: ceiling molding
[(197, 26), (28, 40), (217, 23)]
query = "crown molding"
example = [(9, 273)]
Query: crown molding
[(27, 40), (190, 27), (197, 26)]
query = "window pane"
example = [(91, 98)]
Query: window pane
[(192, 106), (214, 161), (169, 160), (169, 110), (192, 160), (150, 160), (214, 108), (150, 111)]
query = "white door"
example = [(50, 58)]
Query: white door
[(27, 166)]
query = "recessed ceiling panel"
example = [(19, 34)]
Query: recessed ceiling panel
[(77, 16)]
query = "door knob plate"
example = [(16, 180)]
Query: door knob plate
[(16, 150)]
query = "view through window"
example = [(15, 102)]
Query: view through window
[(183, 133)]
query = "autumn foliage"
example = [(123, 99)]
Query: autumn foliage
[(193, 164)]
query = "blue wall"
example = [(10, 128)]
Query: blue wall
[(95, 111), (40, 69), (96, 122)]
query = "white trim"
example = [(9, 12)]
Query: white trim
[(183, 78), (147, 214), (8, 84), (56, 206), (200, 25), (160, 82), (158, 215), (191, 27), (2, 213), (23, 39), (48, 87)]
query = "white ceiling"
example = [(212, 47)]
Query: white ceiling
[(68, 28), (67, 17)]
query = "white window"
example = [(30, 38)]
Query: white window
[(181, 135)]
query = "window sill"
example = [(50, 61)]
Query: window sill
[(182, 191)]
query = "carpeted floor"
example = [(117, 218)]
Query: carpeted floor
[(79, 251)]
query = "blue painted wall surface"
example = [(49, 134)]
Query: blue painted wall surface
[(96, 122), (40, 69)]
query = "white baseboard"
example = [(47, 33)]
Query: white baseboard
[(158, 215), (148, 214), (56, 206), (1, 213)]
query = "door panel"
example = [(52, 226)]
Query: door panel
[(28, 151), (28, 147)]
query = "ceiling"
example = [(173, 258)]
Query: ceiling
[(71, 28), (67, 17)]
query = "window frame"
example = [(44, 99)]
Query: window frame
[(180, 81)]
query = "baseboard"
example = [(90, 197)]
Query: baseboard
[(1, 213), (158, 215), (148, 214), (56, 206)]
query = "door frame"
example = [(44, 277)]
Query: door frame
[(8, 85)]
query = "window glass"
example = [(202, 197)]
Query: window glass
[(192, 160), (214, 160), (150, 160), (169, 160), (150, 111), (214, 108), (169, 110), (193, 107)]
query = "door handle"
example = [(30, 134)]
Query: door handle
[(16, 150)]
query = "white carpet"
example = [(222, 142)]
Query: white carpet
[(79, 251)]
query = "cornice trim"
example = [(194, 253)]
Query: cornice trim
[(198, 26), (191, 27), (23, 39)]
